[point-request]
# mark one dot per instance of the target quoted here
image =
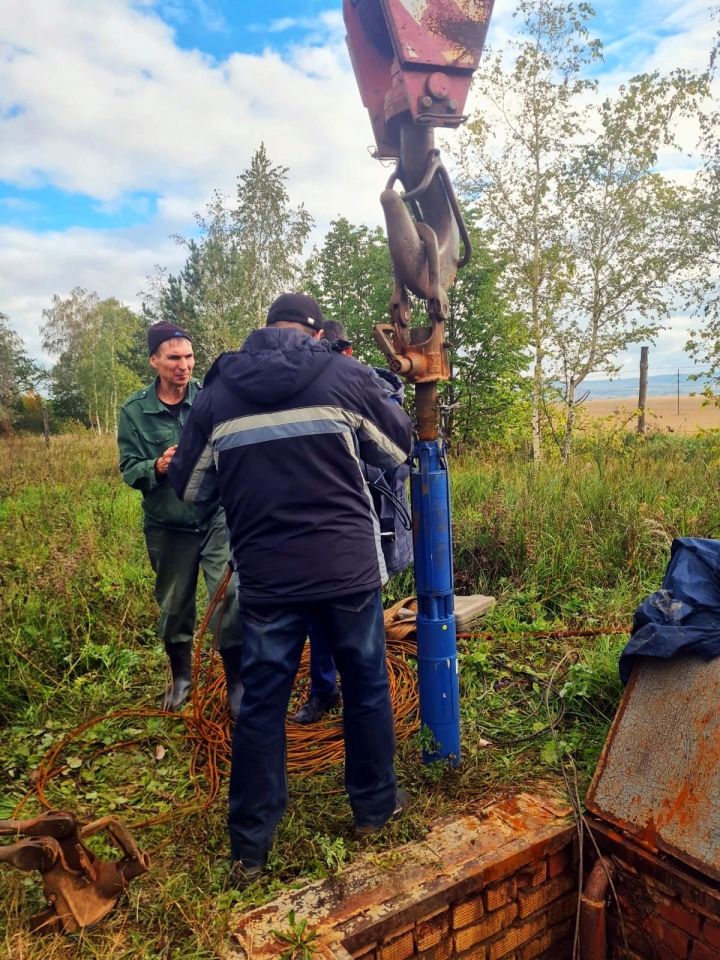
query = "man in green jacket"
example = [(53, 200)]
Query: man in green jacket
[(180, 539)]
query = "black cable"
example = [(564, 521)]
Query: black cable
[(400, 508)]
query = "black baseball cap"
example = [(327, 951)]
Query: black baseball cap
[(296, 308)]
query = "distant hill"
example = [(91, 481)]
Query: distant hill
[(660, 385)]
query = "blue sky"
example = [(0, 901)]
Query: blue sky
[(220, 28), (119, 117)]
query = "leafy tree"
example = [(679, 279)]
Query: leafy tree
[(89, 336), (271, 234), (627, 232), (512, 158), (704, 216), (174, 298), (593, 238), (63, 331), (488, 353), (18, 373), (350, 275), (246, 253)]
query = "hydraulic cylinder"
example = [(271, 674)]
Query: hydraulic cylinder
[(436, 644)]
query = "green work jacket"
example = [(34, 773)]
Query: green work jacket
[(146, 429)]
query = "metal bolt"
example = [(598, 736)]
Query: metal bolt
[(426, 102), (438, 85), (452, 105)]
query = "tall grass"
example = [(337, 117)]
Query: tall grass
[(578, 541), (72, 567)]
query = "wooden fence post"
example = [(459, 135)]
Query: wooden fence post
[(642, 399)]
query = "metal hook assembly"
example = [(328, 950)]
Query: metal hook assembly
[(425, 228), (414, 60)]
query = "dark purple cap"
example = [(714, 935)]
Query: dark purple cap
[(160, 332), (296, 308)]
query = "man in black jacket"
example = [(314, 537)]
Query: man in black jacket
[(388, 489), (281, 429)]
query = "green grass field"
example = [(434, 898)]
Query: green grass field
[(560, 547)]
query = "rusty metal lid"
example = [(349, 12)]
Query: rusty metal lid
[(658, 777)]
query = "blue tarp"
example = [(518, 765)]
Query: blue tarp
[(683, 617)]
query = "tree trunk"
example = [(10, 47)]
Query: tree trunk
[(569, 420), (536, 408)]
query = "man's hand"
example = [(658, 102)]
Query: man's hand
[(162, 463)]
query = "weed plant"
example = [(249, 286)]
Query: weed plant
[(558, 546)]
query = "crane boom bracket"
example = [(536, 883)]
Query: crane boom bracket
[(414, 61)]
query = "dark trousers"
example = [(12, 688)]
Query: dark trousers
[(177, 556), (273, 639), (323, 673)]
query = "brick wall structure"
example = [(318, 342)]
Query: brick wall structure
[(499, 883), (664, 909)]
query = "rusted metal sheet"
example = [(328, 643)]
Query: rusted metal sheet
[(658, 777), (450, 32)]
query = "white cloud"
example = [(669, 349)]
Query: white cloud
[(328, 21), (34, 266), (19, 205), (110, 105), (285, 23), (183, 11)]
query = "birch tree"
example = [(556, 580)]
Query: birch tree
[(88, 337), (595, 240), (704, 214), (627, 231), (531, 107)]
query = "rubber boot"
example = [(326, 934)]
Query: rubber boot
[(180, 657), (231, 663)]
